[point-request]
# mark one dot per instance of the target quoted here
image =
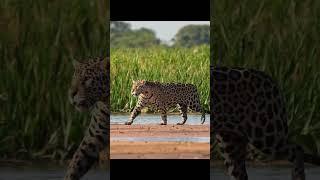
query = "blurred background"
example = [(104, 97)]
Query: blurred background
[(281, 38), (38, 40)]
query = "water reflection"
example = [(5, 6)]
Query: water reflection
[(193, 119)]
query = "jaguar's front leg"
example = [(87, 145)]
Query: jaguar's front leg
[(95, 140), (134, 113)]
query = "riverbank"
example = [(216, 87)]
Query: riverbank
[(154, 130), (127, 148), (159, 150)]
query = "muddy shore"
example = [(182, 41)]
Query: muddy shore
[(154, 130), (122, 149)]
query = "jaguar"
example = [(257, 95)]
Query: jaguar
[(249, 112), (89, 91), (163, 96)]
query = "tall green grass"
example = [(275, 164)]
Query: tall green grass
[(281, 38), (38, 40), (157, 64)]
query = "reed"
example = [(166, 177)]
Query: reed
[(38, 40), (161, 64)]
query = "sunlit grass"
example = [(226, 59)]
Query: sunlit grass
[(157, 64)]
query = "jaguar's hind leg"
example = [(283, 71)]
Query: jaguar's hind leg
[(183, 112), (295, 154), (196, 106), (234, 150), (280, 149), (163, 117)]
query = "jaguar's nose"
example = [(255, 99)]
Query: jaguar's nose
[(73, 94)]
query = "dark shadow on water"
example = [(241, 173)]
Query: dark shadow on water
[(52, 172)]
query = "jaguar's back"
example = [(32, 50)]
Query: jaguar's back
[(247, 99)]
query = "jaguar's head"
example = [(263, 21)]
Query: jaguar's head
[(90, 83), (139, 87)]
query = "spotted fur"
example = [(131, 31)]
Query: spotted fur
[(163, 96), (249, 113), (89, 91), (95, 140), (90, 83)]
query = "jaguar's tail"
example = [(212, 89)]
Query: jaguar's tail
[(312, 159)]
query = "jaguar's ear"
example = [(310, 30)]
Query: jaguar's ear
[(104, 59), (75, 63)]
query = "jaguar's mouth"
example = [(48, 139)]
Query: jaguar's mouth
[(81, 106)]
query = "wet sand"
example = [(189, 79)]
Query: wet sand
[(159, 150), (154, 130)]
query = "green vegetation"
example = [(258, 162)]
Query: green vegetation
[(122, 36), (38, 40), (283, 39), (185, 65), (192, 35)]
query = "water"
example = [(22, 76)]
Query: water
[(193, 119), (47, 173), (268, 173), (163, 139)]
